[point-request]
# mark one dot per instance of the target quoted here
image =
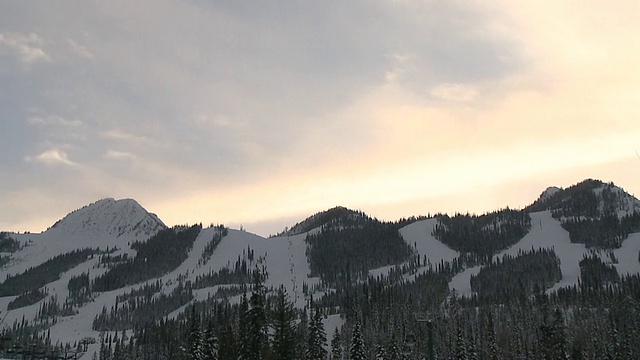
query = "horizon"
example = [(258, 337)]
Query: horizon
[(255, 115), (271, 228)]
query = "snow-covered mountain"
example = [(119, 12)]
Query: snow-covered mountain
[(104, 224), (589, 198), (109, 218), (111, 227)]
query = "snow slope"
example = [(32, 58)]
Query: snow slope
[(107, 223), (546, 232), (111, 223), (104, 224), (419, 234)]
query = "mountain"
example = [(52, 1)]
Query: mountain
[(594, 213), (104, 224), (332, 217), (111, 267), (111, 218), (589, 198)]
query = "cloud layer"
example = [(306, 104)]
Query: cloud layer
[(245, 112)]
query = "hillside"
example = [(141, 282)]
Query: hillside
[(112, 268)]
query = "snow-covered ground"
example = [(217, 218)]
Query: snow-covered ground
[(461, 282), (546, 232), (419, 234), (284, 259), (627, 255)]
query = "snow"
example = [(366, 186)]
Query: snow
[(103, 225), (627, 255), (107, 223), (419, 233), (461, 282), (109, 217), (546, 232), (548, 193), (418, 236)]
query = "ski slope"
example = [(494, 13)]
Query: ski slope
[(546, 232)]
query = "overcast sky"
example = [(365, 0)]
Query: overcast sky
[(261, 113)]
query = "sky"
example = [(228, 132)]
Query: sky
[(259, 114)]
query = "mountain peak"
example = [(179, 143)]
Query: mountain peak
[(110, 217), (591, 198), (335, 214), (548, 193)]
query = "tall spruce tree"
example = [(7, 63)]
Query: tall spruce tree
[(381, 352), (193, 349), (228, 348), (210, 342), (284, 341), (317, 339), (357, 350), (257, 334), (336, 345), (243, 343), (461, 347)]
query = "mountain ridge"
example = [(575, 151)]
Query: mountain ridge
[(110, 216), (110, 241)]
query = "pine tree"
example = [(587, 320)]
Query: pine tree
[(559, 336), (381, 352), (228, 348), (194, 339), (257, 331), (317, 339), (283, 328), (243, 342), (336, 346), (211, 345), (461, 348), (394, 352), (302, 330), (491, 339), (357, 350)]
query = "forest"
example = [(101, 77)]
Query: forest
[(514, 310)]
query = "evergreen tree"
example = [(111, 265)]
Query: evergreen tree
[(461, 347), (228, 349), (336, 346), (317, 339), (381, 352), (283, 328), (194, 339), (257, 332), (357, 350), (394, 352), (559, 336), (243, 329), (211, 345), (301, 335), (491, 339)]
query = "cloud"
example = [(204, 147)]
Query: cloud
[(54, 120), (52, 157), (119, 155), (454, 92), (26, 46), (372, 98), (401, 66), (79, 49), (124, 136)]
